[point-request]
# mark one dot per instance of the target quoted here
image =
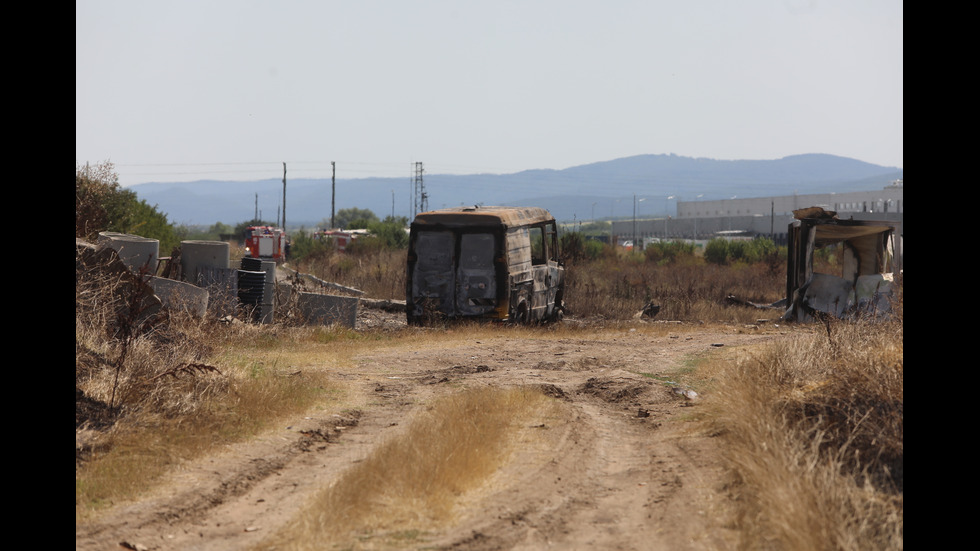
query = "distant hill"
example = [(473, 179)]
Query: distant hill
[(603, 189)]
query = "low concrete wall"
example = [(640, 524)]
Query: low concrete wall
[(328, 309)]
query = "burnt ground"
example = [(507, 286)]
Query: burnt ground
[(627, 469)]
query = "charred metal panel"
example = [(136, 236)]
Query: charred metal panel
[(433, 282), (555, 290), (476, 293), (518, 255), (547, 286)]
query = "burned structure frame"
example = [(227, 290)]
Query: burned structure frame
[(871, 262)]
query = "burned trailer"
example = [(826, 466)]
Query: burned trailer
[(870, 262), (495, 263)]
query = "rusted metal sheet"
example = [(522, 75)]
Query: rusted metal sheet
[(479, 215)]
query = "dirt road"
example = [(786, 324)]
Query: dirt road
[(625, 470)]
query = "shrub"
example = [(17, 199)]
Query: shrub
[(101, 204), (390, 232), (594, 250), (724, 251), (576, 247), (303, 246), (716, 251), (814, 432), (667, 252)]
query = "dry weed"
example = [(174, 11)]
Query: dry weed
[(814, 429), (153, 386), (412, 482), (612, 287)]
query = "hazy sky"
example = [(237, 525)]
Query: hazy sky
[(231, 89)]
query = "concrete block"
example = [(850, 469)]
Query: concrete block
[(178, 294), (328, 309)]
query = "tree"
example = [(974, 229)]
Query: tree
[(303, 245), (352, 218), (391, 231), (239, 230), (101, 204), (219, 229)]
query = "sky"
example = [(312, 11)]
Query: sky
[(232, 89)]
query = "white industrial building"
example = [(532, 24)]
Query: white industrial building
[(761, 216)]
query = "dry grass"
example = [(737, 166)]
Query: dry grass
[(814, 427), (157, 388), (379, 273), (169, 413), (814, 434), (187, 386), (690, 290), (410, 484), (613, 287)]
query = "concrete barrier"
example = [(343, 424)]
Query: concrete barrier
[(134, 251), (328, 309), (178, 294), (197, 255)]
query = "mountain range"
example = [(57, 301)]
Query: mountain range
[(607, 189)]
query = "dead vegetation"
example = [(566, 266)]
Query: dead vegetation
[(149, 391), (814, 434), (813, 427), (413, 482), (691, 290), (615, 286)]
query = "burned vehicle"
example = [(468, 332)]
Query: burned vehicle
[(870, 261), (497, 263)]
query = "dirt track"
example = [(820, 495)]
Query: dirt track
[(624, 471)]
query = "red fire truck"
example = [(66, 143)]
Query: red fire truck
[(265, 242)]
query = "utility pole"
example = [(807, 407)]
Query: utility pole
[(634, 221), (421, 198), (772, 220), (256, 207), (284, 196), (333, 192)]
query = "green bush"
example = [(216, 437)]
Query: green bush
[(668, 252), (352, 218), (304, 246), (213, 232), (716, 251), (723, 251), (391, 232), (594, 249)]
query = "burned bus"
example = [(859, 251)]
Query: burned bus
[(497, 263)]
